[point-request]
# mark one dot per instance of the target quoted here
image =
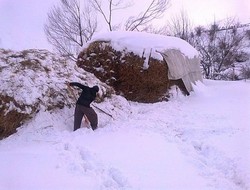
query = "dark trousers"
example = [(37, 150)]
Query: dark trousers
[(80, 111)]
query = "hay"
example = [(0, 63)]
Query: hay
[(11, 119), (124, 71)]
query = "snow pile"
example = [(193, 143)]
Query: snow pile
[(196, 142)]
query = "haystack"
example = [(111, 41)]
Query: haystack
[(124, 71), (34, 81), (137, 65), (10, 120)]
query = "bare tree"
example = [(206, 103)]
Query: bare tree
[(69, 28), (107, 10), (219, 47), (181, 26), (155, 10)]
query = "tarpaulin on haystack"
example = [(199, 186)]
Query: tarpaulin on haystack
[(182, 67)]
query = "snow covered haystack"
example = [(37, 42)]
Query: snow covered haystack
[(142, 66), (34, 80)]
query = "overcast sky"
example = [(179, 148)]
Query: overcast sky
[(22, 21)]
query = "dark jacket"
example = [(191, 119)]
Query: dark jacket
[(88, 94)]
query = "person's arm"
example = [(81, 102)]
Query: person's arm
[(78, 85)]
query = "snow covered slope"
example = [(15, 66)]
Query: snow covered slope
[(189, 143)]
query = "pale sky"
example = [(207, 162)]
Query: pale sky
[(203, 12), (22, 21)]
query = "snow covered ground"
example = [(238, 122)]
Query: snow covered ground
[(200, 142)]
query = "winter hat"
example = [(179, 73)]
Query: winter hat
[(95, 88)]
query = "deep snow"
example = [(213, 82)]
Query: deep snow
[(196, 142)]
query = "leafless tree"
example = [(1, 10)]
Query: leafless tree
[(69, 28), (155, 10), (180, 26), (219, 47), (108, 8)]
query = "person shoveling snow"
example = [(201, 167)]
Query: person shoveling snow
[(83, 108)]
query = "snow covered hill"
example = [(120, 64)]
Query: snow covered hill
[(189, 143)]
